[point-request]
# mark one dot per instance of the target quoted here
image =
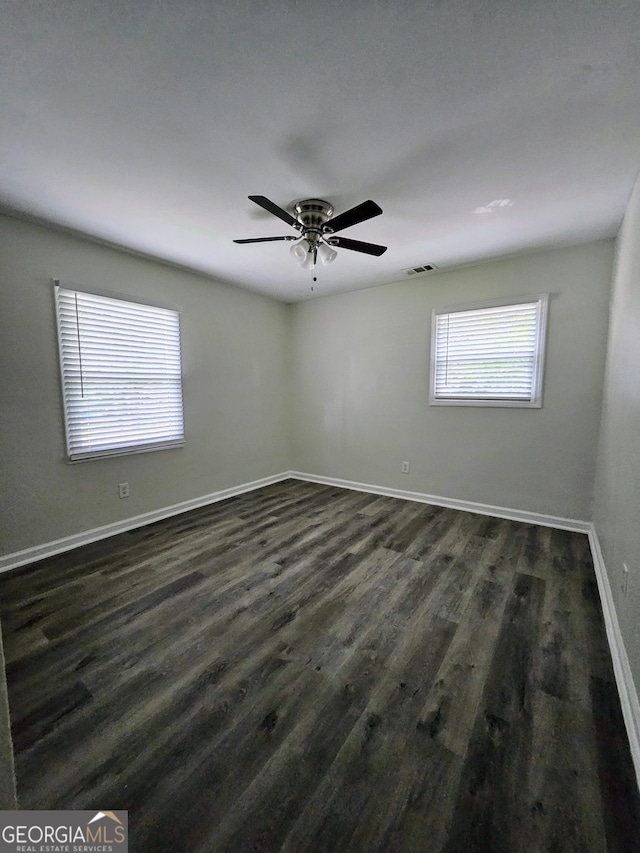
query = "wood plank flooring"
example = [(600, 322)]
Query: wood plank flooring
[(305, 668)]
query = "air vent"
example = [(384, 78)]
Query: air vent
[(425, 268)]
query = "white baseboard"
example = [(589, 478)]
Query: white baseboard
[(624, 678), (49, 549), (58, 546), (452, 503)]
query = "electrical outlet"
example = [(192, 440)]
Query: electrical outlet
[(624, 586), (405, 467), (123, 490)]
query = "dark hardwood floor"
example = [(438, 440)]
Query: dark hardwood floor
[(305, 668)]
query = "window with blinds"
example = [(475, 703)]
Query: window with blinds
[(489, 354), (121, 374)]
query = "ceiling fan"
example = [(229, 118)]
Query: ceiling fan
[(315, 221)]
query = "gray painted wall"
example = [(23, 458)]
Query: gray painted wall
[(617, 491), (338, 385), (235, 348), (361, 385)]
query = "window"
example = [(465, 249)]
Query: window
[(489, 354), (121, 374)]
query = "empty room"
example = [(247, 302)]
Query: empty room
[(320, 426)]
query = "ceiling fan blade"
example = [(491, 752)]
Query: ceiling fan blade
[(357, 246), (359, 213), (263, 201), (264, 239)]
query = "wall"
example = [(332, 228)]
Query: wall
[(354, 368), (361, 384), (617, 491), (235, 348)]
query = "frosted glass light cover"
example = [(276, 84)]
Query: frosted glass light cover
[(299, 250), (327, 254), (308, 263)]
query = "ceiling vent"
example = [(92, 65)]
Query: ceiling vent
[(425, 268)]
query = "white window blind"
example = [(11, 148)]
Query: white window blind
[(489, 354), (121, 375)]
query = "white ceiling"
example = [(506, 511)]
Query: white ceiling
[(148, 123)]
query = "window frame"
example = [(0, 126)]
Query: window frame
[(136, 446), (535, 399)]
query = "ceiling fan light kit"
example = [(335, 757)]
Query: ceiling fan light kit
[(314, 219)]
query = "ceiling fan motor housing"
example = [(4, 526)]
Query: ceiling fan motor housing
[(312, 213)]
